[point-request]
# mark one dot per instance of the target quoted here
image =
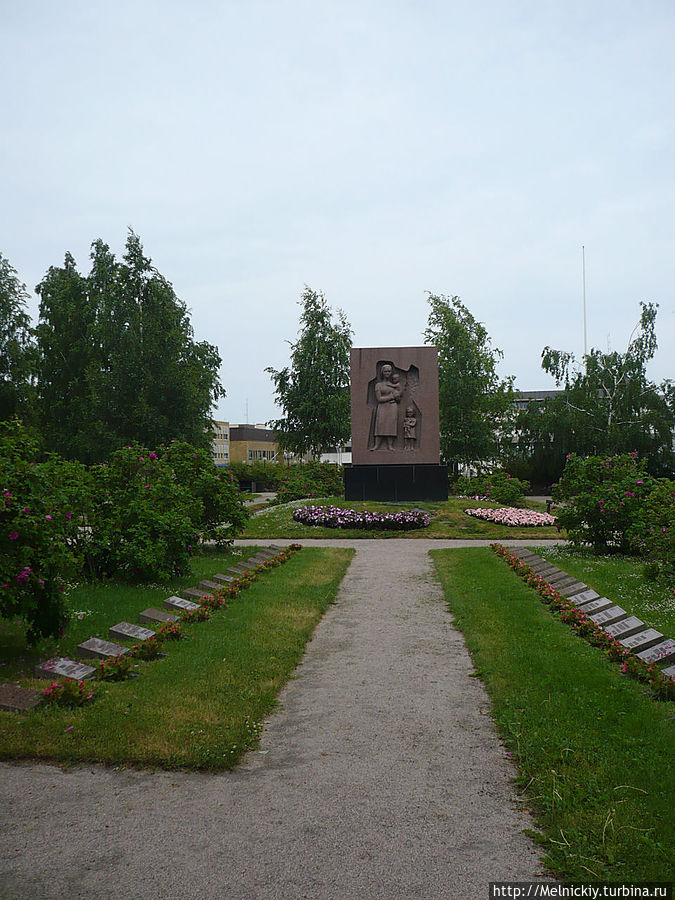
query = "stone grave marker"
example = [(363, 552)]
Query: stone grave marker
[(670, 672), (597, 606), (584, 597), (125, 631), (563, 583), (18, 699), (235, 571), (193, 594), (179, 603), (209, 586), (662, 652), (64, 668), (571, 590), (623, 629), (152, 616), (556, 577), (609, 616), (643, 640), (222, 579), (95, 648)]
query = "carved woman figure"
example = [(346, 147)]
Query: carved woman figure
[(387, 396)]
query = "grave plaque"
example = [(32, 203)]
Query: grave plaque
[(542, 569), (18, 699), (125, 631), (563, 583), (643, 640), (179, 603), (64, 668), (223, 579), (573, 589), (609, 616), (596, 606), (625, 628), (153, 616), (659, 652), (253, 562), (670, 672), (236, 571), (193, 594), (209, 586), (95, 648), (584, 597), (556, 576)]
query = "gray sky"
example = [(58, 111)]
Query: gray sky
[(371, 150)]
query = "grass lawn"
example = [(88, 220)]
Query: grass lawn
[(594, 752), (621, 579), (448, 520), (201, 706)]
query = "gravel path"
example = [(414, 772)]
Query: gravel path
[(380, 776)]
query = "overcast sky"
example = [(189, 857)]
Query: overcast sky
[(371, 149)]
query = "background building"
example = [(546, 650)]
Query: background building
[(249, 443), (220, 445)]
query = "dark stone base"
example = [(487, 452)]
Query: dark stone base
[(394, 482)]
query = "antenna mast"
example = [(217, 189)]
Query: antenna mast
[(583, 279)]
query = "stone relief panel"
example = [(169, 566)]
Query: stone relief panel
[(394, 404), (396, 419)]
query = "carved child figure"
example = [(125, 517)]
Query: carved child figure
[(410, 428)]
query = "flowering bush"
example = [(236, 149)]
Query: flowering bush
[(170, 631), (150, 648), (512, 516), (40, 505), (68, 693), (603, 498), (661, 685), (115, 668), (203, 614), (499, 487), (312, 479), (216, 509), (141, 526), (654, 535), (335, 517)]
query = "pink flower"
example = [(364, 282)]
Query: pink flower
[(13, 535), (153, 456), (26, 509), (48, 518), (69, 516)]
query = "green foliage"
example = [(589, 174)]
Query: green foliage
[(140, 519), (117, 358), (608, 406), (311, 479), (265, 474), (17, 349), (498, 486), (475, 404), (216, 512), (603, 499), (655, 530), (314, 391), (38, 526)]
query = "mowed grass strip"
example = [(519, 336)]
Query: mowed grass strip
[(595, 753), (201, 706), (448, 520)]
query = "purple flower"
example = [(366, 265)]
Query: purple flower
[(13, 535), (48, 518)]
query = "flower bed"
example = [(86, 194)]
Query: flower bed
[(514, 518), (335, 517), (661, 686)]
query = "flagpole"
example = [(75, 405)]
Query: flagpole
[(583, 279)]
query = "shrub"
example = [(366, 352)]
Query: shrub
[(216, 511), (141, 525), (265, 474), (39, 513), (655, 529), (603, 499), (500, 487), (310, 479)]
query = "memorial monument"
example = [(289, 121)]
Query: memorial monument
[(395, 425)]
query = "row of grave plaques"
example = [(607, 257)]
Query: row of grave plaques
[(646, 643), (96, 648)]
